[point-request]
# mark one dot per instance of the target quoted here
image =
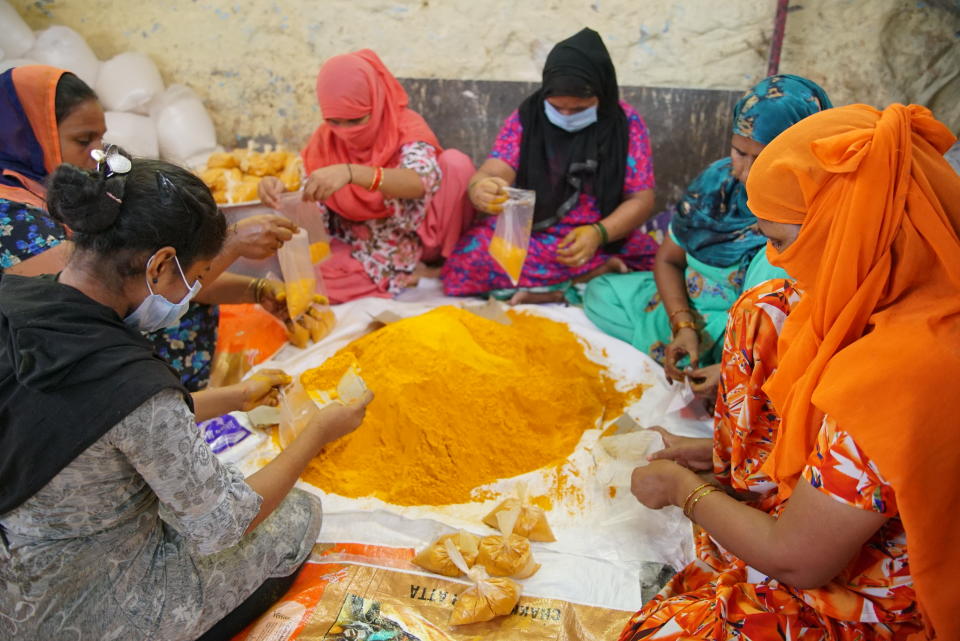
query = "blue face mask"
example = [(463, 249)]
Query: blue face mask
[(571, 122), (156, 312)]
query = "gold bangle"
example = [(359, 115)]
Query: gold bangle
[(685, 310), (260, 283), (689, 512), (690, 496), (684, 325)]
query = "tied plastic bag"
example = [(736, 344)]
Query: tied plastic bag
[(507, 554), (129, 82), (16, 37), (511, 238), (184, 128), (136, 134), (531, 522), (65, 48), (435, 557), (486, 599)]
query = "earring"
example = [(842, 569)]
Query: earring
[(156, 280)]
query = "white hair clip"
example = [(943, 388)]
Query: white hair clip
[(116, 162)]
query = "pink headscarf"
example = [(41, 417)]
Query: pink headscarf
[(352, 86)]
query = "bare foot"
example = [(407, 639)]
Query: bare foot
[(521, 298), (421, 271), (613, 265)]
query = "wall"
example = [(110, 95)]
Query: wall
[(254, 61)]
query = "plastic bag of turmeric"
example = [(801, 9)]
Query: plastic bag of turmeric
[(511, 237), (435, 558), (487, 598), (507, 554), (532, 521)]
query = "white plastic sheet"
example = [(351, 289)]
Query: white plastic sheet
[(129, 82), (136, 134), (184, 128), (63, 47), (16, 37)]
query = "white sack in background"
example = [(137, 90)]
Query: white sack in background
[(16, 38), (10, 63), (184, 128), (136, 134), (65, 48), (129, 82)]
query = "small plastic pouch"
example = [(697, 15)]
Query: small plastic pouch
[(298, 275), (296, 409), (531, 521), (309, 216), (488, 597), (511, 238)]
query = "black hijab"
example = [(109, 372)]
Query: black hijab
[(558, 164)]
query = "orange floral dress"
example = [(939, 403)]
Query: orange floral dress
[(718, 596)]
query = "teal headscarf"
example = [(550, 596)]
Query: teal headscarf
[(712, 222)]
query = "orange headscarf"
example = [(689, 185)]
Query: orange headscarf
[(875, 341), (352, 86), (36, 92)]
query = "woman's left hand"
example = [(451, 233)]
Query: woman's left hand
[(263, 388), (260, 236), (578, 246), (657, 484), (273, 298), (322, 183)]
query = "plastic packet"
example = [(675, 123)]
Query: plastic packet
[(511, 237), (297, 408), (435, 557), (488, 597), (532, 520), (507, 554), (298, 274), (309, 216)]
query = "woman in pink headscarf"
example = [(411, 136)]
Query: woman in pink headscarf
[(396, 201)]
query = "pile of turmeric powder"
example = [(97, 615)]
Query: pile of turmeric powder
[(461, 401)]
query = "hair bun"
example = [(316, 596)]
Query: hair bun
[(84, 200)]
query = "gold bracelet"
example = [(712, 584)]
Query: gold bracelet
[(684, 325), (690, 496), (260, 283), (685, 310), (710, 490)]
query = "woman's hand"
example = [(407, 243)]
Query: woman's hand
[(263, 388), (324, 182), (692, 453), (273, 298), (488, 195), (704, 381), (269, 189), (578, 246), (336, 420), (260, 236), (686, 342), (661, 483)]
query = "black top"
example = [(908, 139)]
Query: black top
[(69, 371), (559, 164)]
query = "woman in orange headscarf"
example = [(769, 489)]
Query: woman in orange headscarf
[(396, 200), (864, 212)]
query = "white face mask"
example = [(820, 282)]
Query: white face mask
[(570, 122), (156, 312)]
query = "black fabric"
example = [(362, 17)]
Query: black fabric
[(558, 164), (69, 371), (250, 610)]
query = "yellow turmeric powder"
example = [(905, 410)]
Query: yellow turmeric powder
[(461, 401), (509, 256)]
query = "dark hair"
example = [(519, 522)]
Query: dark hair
[(121, 217), (71, 91)]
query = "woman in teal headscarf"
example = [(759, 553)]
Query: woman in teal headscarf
[(713, 251)]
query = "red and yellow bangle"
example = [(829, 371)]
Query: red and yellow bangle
[(377, 179)]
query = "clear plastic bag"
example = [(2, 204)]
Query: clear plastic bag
[(511, 238), (507, 554), (531, 522), (298, 274), (436, 558), (296, 410), (309, 216), (488, 597)]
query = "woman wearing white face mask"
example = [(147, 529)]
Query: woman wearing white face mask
[(587, 155), (98, 433)]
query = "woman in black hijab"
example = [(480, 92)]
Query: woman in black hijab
[(587, 156)]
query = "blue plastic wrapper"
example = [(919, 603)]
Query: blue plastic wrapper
[(223, 432)]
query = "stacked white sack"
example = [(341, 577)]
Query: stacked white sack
[(64, 48), (16, 37), (184, 129), (135, 133)]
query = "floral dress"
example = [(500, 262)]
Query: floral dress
[(142, 537), (389, 248), (471, 270), (25, 231)]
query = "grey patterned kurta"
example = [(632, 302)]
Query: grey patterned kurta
[(141, 537)]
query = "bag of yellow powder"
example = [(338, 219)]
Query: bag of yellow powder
[(486, 599), (298, 276), (532, 521), (507, 554), (296, 411), (511, 237), (435, 557)]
